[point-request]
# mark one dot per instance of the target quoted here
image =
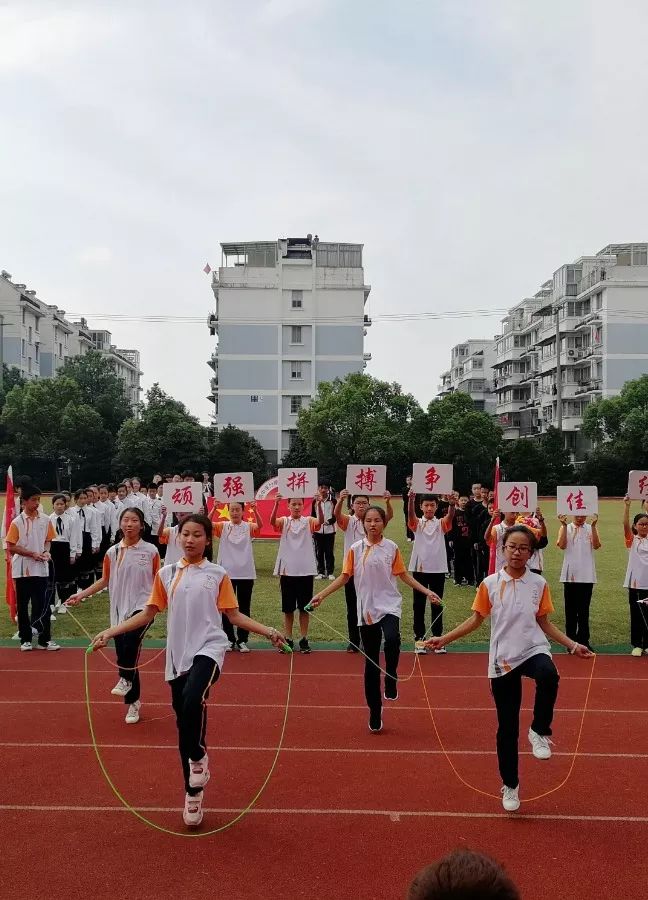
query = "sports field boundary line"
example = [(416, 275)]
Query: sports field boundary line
[(393, 815)]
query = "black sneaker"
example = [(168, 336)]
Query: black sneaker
[(391, 692), (290, 643), (351, 648), (375, 721), (304, 646)]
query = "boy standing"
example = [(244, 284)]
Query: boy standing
[(28, 541), (325, 537)]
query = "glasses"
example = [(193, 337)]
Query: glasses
[(514, 548)]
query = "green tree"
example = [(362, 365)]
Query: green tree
[(622, 422), (559, 468), (524, 460), (359, 419), (11, 378), (166, 437), (236, 450), (100, 387)]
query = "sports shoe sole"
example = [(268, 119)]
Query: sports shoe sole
[(201, 783)]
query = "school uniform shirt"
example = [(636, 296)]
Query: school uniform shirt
[(497, 538), (327, 512), (235, 548), (67, 530), (374, 568), (129, 572), (32, 533), (103, 511), (429, 550), (578, 562), (195, 596), (353, 530), (155, 507), (514, 605), (89, 521), (636, 576), (170, 537), (296, 554)]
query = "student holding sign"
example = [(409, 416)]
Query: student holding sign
[(518, 603), (296, 565), (636, 579), (579, 541), (236, 557)]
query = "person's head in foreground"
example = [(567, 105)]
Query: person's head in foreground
[(464, 875)]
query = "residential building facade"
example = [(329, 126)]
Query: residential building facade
[(471, 372), (289, 315), (37, 339)]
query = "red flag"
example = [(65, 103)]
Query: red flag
[(492, 556), (207, 269), (9, 516)]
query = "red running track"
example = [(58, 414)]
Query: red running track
[(347, 813)]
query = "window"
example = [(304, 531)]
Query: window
[(22, 348), (24, 316), (296, 371), (297, 299), (29, 334), (254, 398), (639, 256), (36, 325), (29, 365), (292, 438), (296, 334), (295, 405), (37, 352), (61, 351)]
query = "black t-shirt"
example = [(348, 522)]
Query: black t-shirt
[(460, 525)]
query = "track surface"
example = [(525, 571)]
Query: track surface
[(347, 813)]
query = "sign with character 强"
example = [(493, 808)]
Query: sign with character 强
[(231, 486)]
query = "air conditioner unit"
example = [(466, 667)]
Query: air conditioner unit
[(571, 354)]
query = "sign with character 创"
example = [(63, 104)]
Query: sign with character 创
[(368, 480), (297, 482), (577, 500), (234, 486), (182, 496), (432, 478), (638, 485), (517, 496)]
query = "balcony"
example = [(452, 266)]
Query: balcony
[(367, 321), (593, 318), (529, 376), (571, 423), (590, 387), (213, 361), (508, 380), (510, 406), (510, 355), (593, 351), (510, 432), (366, 357)]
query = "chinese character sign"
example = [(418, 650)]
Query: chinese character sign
[(183, 496), (369, 480), (638, 485), (517, 496), (577, 500), (230, 486), (432, 478), (297, 482)]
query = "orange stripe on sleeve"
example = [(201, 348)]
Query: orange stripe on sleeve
[(156, 564), (12, 534), (164, 537), (398, 565), (482, 602), (546, 604), (105, 569), (349, 564), (51, 531), (226, 597), (218, 528), (158, 596), (344, 521), (628, 540)]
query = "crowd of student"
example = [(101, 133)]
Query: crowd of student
[(112, 537)]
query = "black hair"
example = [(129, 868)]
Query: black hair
[(59, 497), (122, 484), (521, 529), (358, 496), (199, 519), (429, 498), (30, 490), (378, 509), (241, 503), (67, 495), (138, 513), (641, 515), (112, 487), (103, 487), (463, 873), (187, 476), (78, 493), (152, 486)]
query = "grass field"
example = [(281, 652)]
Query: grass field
[(609, 616)]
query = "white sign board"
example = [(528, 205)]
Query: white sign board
[(517, 496), (368, 480), (432, 478), (234, 486), (577, 500), (297, 482), (182, 496), (638, 485)]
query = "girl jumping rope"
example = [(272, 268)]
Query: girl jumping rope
[(196, 594)]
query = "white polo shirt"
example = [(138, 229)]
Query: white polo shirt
[(296, 553), (514, 605), (637, 571), (374, 568), (429, 552), (353, 529), (174, 552), (129, 571), (578, 562), (235, 548), (31, 533)]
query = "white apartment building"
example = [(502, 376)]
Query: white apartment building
[(471, 372), (581, 337), (289, 315), (37, 339)]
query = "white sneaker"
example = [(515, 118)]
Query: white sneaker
[(133, 714), (52, 617), (231, 646), (331, 578), (511, 798), (51, 645), (193, 814), (61, 610), (16, 636), (420, 651), (636, 651), (122, 687), (318, 577), (441, 650), (26, 646), (540, 745), (243, 647), (199, 773)]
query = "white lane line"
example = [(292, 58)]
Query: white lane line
[(330, 750), (394, 815)]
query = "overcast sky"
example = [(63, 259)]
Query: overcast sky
[(472, 147)]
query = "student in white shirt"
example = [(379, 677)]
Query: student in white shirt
[(578, 575), (325, 537), (90, 539), (169, 537), (296, 565), (28, 541), (128, 572), (495, 532), (429, 559), (155, 512), (375, 562), (353, 528), (196, 593), (518, 603), (65, 547), (636, 578), (236, 557)]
